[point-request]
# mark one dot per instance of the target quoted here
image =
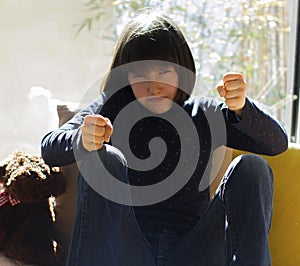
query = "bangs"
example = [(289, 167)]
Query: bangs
[(151, 47), (152, 41)]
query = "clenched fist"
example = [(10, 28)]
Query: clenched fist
[(96, 130), (233, 89)]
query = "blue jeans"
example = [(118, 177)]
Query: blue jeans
[(233, 231)]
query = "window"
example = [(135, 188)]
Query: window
[(294, 78), (254, 37)]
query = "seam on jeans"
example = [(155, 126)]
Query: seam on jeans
[(220, 198), (132, 216), (231, 232), (126, 213), (272, 189), (190, 234), (225, 197), (227, 175), (84, 211), (159, 251)]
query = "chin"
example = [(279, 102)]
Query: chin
[(158, 109)]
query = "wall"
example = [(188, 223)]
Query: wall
[(43, 62)]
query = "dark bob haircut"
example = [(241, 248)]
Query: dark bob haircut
[(155, 37)]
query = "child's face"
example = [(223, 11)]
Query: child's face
[(155, 88)]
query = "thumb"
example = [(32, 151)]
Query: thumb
[(221, 89)]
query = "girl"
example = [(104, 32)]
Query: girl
[(165, 222)]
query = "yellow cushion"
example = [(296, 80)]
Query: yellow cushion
[(285, 231)]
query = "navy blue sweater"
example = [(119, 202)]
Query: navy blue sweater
[(214, 125)]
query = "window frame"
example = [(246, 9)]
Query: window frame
[(293, 82)]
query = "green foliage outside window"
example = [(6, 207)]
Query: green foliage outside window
[(249, 36)]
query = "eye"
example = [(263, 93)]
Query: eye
[(166, 70), (136, 75)]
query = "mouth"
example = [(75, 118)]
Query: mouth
[(156, 99)]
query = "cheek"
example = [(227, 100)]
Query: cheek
[(173, 86), (174, 81), (172, 91), (139, 90)]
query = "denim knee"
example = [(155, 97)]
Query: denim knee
[(105, 171), (113, 154), (254, 170), (247, 194), (248, 172), (113, 160)]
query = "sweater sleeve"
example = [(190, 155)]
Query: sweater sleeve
[(256, 131), (58, 147)]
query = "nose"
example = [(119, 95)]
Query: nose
[(154, 87)]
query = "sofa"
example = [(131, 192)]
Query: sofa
[(285, 231)]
